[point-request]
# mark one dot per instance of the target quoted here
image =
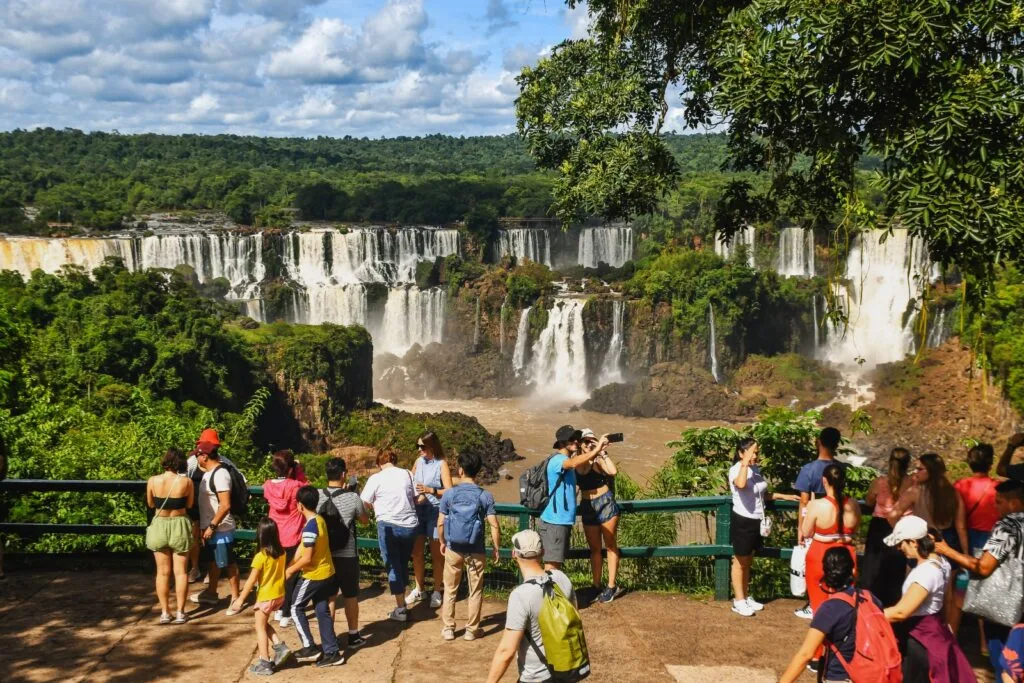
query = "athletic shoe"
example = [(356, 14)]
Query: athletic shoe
[(609, 594), (742, 608), (180, 618), (435, 599), (333, 659), (285, 622), (448, 633), (399, 614), (473, 635), (308, 654), (356, 640), (232, 612), (754, 605), (813, 666), (194, 575), (804, 612), (415, 596), (281, 654), (278, 615), (262, 668), (165, 618), (203, 598)]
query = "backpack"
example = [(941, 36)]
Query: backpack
[(876, 656), (239, 489), (561, 629), (533, 486), (462, 524), (337, 531)]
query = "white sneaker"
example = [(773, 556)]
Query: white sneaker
[(742, 608), (804, 612), (448, 633), (399, 614), (285, 622), (754, 605), (277, 615), (415, 596), (435, 600)]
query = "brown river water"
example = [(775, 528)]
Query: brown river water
[(531, 425)]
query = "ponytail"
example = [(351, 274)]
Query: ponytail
[(835, 475), (899, 463)]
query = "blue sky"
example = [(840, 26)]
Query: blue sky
[(273, 67)]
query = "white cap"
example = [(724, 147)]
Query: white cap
[(527, 544), (587, 434), (910, 528)]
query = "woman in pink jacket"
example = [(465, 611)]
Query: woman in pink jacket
[(280, 495)]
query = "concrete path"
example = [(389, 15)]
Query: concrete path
[(102, 626)]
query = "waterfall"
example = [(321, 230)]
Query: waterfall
[(712, 344), (476, 324), (796, 252), (338, 304), (817, 332), (611, 245), (559, 365), (884, 279), (745, 237), (411, 316), (501, 327), (522, 333), (524, 243), (611, 369), (938, 332)]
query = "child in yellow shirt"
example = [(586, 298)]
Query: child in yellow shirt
[(268, 568)]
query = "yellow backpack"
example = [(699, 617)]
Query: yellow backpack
[(561, 629)]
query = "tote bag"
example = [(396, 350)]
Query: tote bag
[(797, 565), (1000, 596)]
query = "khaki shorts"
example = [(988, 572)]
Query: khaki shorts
[(170, 533)]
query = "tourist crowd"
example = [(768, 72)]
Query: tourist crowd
[(933, 550)]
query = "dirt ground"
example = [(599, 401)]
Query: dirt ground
[(102, 626)]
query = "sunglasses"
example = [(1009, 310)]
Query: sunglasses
[(420, 446)]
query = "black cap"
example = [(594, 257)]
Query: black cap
[(566, 433)]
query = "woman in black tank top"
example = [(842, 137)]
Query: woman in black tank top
[(600, 515), (169, 534)]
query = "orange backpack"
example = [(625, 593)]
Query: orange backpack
[(876, 656)]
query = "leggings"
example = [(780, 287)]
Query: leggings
[(289, 585)]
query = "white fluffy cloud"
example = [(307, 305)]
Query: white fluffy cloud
[(382, 67)]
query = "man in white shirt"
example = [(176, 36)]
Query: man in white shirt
[(216, 524)]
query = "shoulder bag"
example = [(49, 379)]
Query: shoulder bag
[(1000, 596)]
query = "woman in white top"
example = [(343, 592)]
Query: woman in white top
[(930, 652), (749, 492), (390, 494)]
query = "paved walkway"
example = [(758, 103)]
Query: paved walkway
[(101, 626)]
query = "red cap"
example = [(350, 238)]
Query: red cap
[(209, 436)]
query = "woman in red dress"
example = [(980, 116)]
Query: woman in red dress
[(828, 528)]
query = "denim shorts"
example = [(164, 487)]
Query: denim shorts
[(219, 549), (599, 510), (426, 517)]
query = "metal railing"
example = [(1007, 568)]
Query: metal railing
[(717, 508)]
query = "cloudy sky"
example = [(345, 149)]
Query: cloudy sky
[(272, 67)]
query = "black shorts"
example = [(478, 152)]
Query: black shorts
[(746, 535), (346, 574)]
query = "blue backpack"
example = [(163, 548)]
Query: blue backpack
[(464, 524)]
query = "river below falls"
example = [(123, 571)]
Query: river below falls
[(531, 425)]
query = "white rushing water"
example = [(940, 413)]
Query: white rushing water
[(525, 243), (938, 329), (611, 369), (559, 363), (522, 336), (501, 326), (796, 252), (327, 267), (817, 331), (713, 344), (744, 237), (612, 245)]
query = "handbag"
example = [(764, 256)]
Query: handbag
[(766, 526), (1000, 596), (797, 568)]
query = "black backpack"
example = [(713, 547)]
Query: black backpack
[(338, 532), (239, 489), (533, 486)]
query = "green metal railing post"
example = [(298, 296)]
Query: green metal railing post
[(722, 538)]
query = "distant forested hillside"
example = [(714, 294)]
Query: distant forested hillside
[(99, 180)]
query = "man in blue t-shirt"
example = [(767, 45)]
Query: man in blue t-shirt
[(559, 515)]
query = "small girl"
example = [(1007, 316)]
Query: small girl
[(268, 569)]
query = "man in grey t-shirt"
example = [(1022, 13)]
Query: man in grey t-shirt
[(346, 560), (521, 619)]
